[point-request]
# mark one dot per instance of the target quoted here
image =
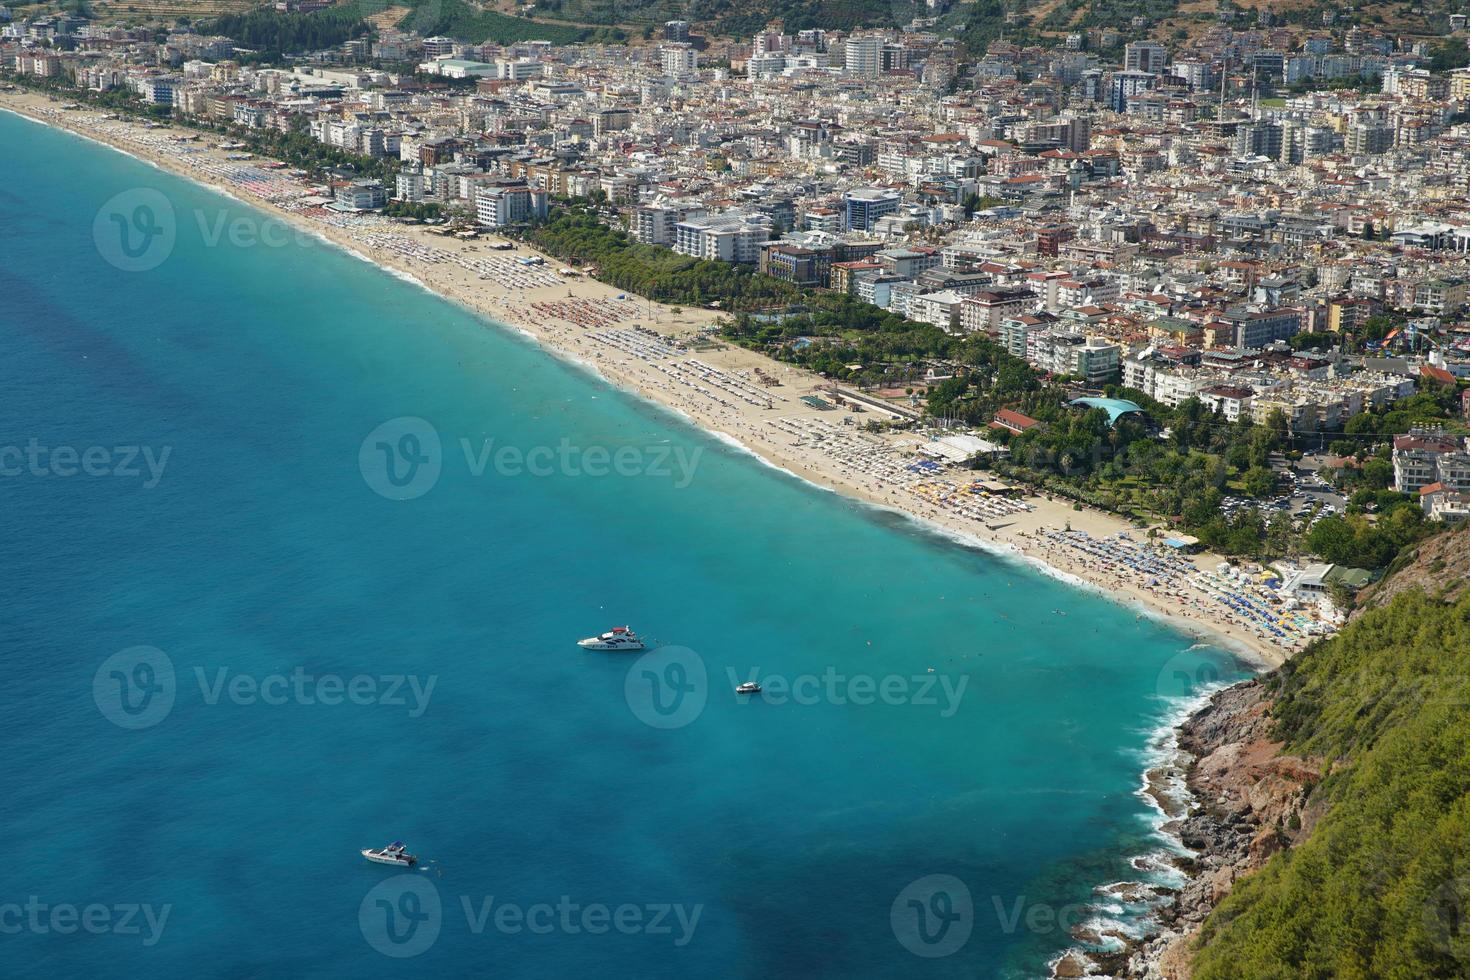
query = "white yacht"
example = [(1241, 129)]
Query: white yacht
[(395, 853), (617, 638)]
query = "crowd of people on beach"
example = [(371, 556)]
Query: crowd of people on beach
[(725, 398), (645, 345), (591, 314), (715, 384), (857, 455), (1243, 602), (503, 271), (973, 500), (268, 184)]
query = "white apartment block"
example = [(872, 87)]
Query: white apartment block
[(409, 187), (496, 207), (863, 56), (733, 237), (679, 61), (519, 70), (939, 309), (984, 311), (653, 224)]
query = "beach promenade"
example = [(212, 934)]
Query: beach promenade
[(660, 353)]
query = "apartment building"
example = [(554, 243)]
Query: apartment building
[(732, 237), (1257, 328), (654, 224), (1417, 462), (864, 206), (499, 205), (984, 311)]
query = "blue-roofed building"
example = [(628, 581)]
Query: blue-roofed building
[(1115, 407)]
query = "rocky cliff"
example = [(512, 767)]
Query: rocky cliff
[(1250, 801), (1438, 566)]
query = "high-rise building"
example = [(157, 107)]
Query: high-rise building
[(1365, 138), (865, 205), (1259, 138), (677, 31), (654, 224), (1122, 84), (1148, 56), (863, 56), (679, 61), (438, 47), (508, 204)]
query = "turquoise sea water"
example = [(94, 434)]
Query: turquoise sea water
[(262, 556)]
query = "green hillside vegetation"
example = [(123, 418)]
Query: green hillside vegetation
[(732, 17), (274, 33), (638, 12), (268, 31), (460, 19), (1381, 888), (735, 19)]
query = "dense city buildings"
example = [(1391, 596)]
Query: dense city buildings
[(1174, 217)]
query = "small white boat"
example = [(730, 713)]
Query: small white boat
[(749, 687), (395, 854), (617, 638)]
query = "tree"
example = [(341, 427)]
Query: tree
[(1279, 427), (1378, 473), (1279, 534), (1259, 481)]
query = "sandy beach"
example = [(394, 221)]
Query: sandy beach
[(658, 353)]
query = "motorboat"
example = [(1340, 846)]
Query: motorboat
[(749, 687), (616, 639), (395, 853)]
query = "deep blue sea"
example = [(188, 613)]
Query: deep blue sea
[(234, 658)]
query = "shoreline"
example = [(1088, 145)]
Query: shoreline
[(543, 307), (1028, 538)]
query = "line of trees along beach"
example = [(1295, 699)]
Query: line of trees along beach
[(576, 236)]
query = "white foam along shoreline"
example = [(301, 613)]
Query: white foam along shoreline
[(1153, 868), (1161, 744), (1203, 628)]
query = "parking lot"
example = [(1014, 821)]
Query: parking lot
[(1301, 490)]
